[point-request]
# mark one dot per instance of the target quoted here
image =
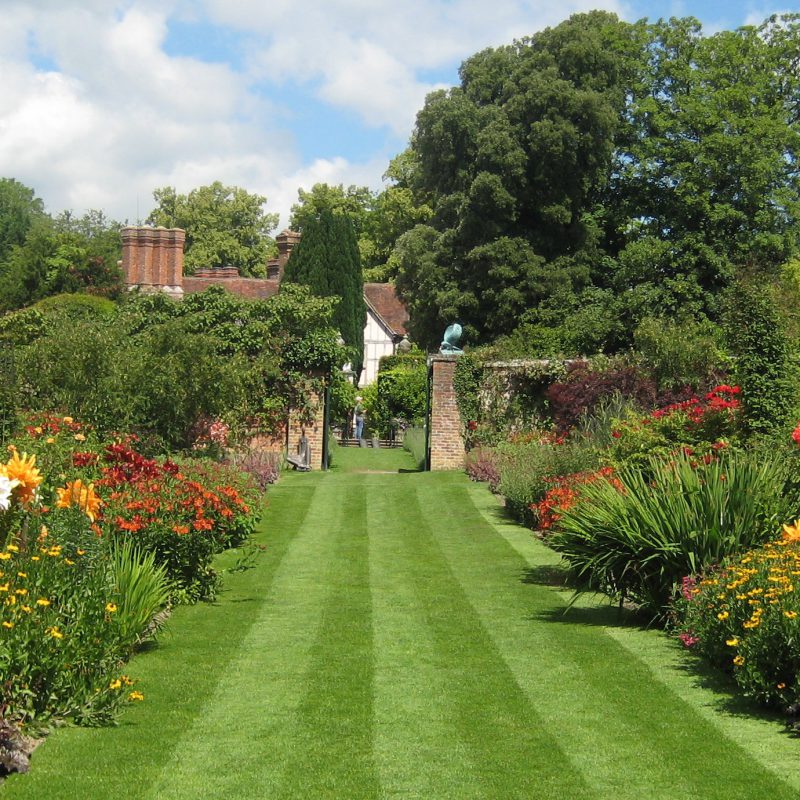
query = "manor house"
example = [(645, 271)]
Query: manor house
[(152, 260)]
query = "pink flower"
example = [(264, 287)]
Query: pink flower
[(689, 639)]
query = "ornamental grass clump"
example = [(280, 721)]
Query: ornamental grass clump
[(744, 617), (634, 539)]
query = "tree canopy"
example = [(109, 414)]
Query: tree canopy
[(327, 261), (626, 167), (225, 226)]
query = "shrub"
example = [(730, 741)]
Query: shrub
[(697, 426), (140, 587), (669, 520), (526, 467), (401, 395), (586, 387), (762, 367), (744, 617), (481, 465), (680, 354), (262, 466), (414, 443)]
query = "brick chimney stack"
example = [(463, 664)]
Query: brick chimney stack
[(152, 259), (286, 240)]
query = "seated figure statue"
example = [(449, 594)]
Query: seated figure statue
[(302, 461), (452, 336)]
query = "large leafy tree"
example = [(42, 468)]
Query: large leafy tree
[(19, 209), (709, 181), (646, 161), (225, 226), (513, 161), (327, 261), (65, 254)]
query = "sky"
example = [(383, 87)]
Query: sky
[(103, 101)]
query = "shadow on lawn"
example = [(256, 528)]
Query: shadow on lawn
[(721, 687)]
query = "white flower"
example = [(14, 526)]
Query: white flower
[(6, 487)]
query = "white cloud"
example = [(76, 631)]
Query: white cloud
[(365, 55)]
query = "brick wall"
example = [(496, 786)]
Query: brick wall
[(314, 432), (446, 441)]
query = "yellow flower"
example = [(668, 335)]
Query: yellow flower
[(23, 469), (54, 632), (42, 602), (8, 624), (81, 495), (12, 548), (111, 607), (790, 614), (739, 660), (791, 533), (68, 420), (26, 609), (79, 437), (22, 574), (5, 556), (50, 440), (732, 642), (117, 684), (4, 587), (135, 696), (723, 615)]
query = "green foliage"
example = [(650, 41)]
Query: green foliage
[(670, 519), (19, 209), (62, 255), (327, 261), (140, 587), (682, 353), (401, 393), (527, 466), (77, 305), (160, 367), (414, 443), (762, 366), (225, 226), (600, 173)]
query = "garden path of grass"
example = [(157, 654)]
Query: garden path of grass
[(399, 638)]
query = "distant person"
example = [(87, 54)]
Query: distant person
[(358, 417)]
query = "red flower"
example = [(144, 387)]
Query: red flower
[(796, 435)]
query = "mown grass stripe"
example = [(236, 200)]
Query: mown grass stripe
[(178, 677), (627, 731), (332, 744), (486, 740), (759, 733), (249, 728)]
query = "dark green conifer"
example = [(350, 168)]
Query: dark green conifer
[(327, 261)]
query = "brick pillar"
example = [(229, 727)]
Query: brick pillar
[(446, 440), (152, 259), (314, 432), (286, 241)]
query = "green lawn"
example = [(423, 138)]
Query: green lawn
[(400, 639)]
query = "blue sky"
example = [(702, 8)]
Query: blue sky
[(103, 101)]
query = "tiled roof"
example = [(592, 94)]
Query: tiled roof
[(381, 297), (252, 288), (383, 300)]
